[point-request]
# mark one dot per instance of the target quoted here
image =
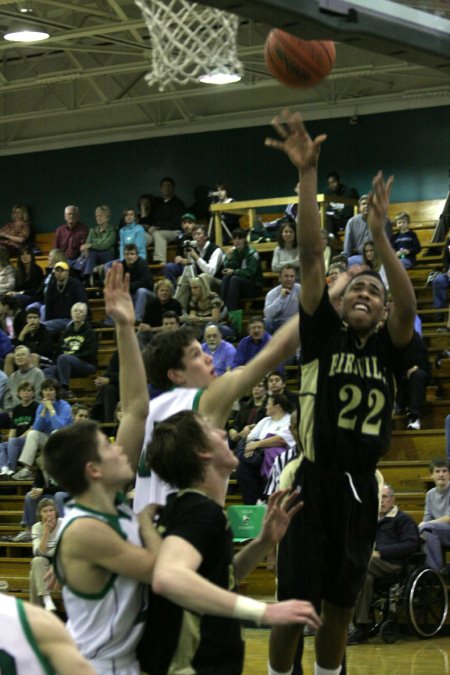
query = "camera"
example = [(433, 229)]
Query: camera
[(189, 245), (213, 196)]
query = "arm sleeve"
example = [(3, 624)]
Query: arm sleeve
[(140, 243), (273, 304), (213, 264), (63, 416), (276, 264)]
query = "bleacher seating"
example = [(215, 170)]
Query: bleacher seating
[(405, 466)]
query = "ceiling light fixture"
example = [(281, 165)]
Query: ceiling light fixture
[(20, 32), (221, 75)]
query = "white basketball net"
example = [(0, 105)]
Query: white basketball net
[(188, 40)]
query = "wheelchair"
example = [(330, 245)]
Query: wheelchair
[(415, 596)]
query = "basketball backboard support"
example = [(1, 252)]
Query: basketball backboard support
[(383, 27)]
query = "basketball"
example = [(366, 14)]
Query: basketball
[(296, 62)]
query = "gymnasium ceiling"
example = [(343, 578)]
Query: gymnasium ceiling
[(85, 84)]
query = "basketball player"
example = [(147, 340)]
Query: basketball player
[(177, 364), (33, 641), (192, 624), (346, 400), (99, 556)]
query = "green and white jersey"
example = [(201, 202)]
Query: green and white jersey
[(150, 488), (106, 626), (19, 651)]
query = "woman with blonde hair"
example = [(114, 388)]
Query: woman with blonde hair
[(205, 306)]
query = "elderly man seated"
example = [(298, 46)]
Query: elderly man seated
[(397, 538), (222, 352)]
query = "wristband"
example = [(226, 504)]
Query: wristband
[(248, 609)]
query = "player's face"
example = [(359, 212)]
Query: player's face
[(198, 367), (441, 477), (223, 457), (363, 304), (114, 462)]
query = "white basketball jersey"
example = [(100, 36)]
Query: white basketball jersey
[(150, 489), (19, 651), (105, 625)]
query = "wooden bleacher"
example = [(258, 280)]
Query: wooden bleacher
[(405, 466)]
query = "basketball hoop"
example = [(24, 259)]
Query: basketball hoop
[(190, 43)]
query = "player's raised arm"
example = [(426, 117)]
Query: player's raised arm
[(402, 313), (217, 400), (55, 642), (304, 154), (132, 379)]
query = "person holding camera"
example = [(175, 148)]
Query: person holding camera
[(205, 260), (228, 221), (173, 270)]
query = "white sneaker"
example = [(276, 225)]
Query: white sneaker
[(4, 471), (414, 424)]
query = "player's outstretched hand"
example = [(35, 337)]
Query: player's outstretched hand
[(291, 611), (379, 203), (281, 508), (118, 303), (295, 141)]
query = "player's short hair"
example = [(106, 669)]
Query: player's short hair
[(67, 452), (368, 273), (174, 449), (165, 352), (438, 463)]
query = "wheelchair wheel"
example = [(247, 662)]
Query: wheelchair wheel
[(389, 631), (426, 602)]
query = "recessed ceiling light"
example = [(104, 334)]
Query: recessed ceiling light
[(25, 34), (221, 75)]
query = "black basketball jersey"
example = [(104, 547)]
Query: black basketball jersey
[(347, 392), (177, 640)]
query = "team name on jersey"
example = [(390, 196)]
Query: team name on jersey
[(350, 364)]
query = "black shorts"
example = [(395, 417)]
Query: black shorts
[(326, 550)]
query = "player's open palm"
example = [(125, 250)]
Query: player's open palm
[(281, 508), (118, 303), (295, 141), (379, 202)]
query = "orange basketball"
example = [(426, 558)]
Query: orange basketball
[(296, 62)]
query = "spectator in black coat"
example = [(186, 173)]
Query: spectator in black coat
[(396, 539), (61, 294)]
